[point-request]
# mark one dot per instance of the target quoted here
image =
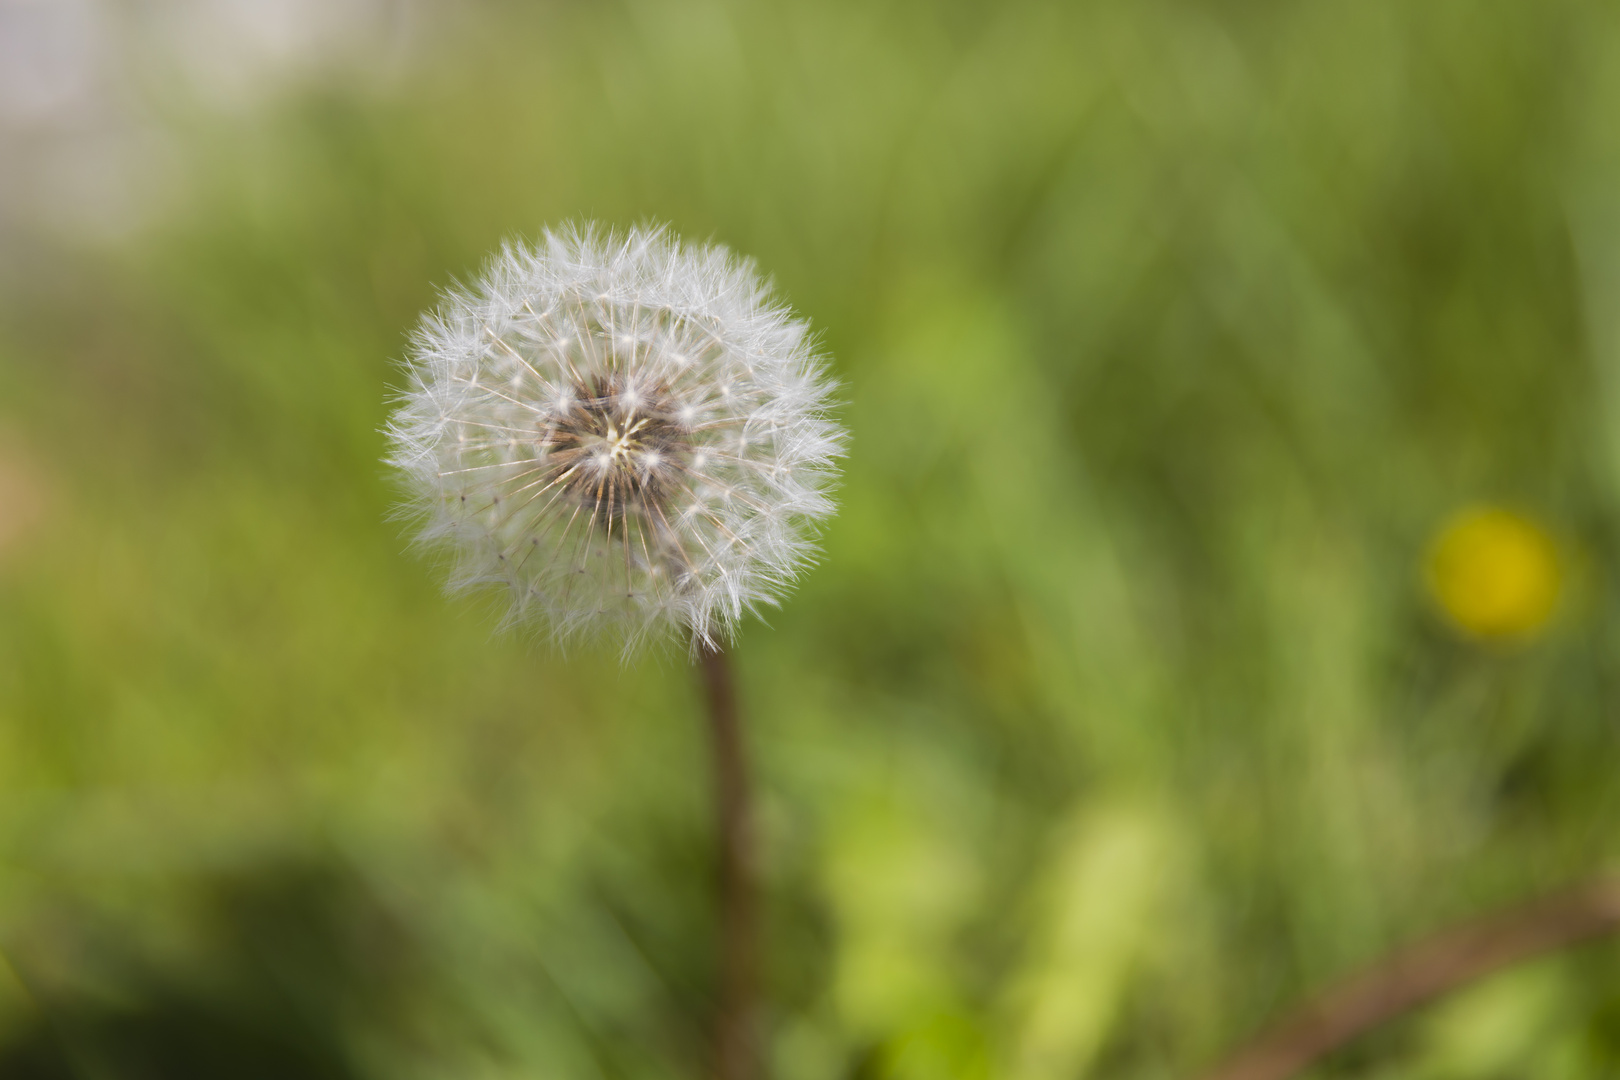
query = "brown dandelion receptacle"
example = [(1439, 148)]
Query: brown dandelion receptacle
[(617, 450)]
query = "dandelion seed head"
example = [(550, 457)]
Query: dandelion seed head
[(627, 433)]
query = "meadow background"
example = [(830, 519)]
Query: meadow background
[(1117, 715)]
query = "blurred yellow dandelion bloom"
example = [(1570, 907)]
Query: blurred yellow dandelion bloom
[(1494, 573)]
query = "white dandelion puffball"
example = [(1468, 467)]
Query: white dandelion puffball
[(626, 431)]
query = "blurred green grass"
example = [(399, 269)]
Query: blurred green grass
[(1113, 721)]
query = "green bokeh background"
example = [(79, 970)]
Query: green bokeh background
[(1113, 721)]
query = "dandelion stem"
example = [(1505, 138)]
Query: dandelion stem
[(734, 1016), (1423, 972)]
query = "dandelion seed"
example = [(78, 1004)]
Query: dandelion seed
[(570, 416)]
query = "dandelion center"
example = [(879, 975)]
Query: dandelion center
[(617, 451)]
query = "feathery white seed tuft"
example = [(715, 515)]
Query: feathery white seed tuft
[(626, 431)]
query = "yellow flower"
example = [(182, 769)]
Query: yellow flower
[(1494, 573)]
